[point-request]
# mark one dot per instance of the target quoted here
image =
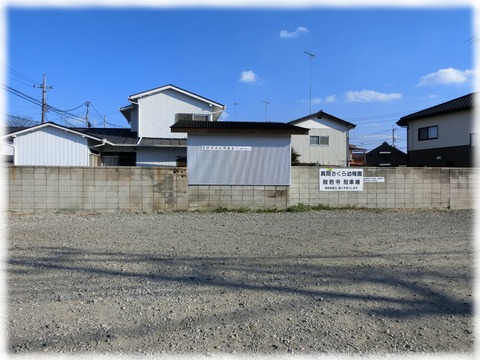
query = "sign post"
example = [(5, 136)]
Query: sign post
[(341, 179)]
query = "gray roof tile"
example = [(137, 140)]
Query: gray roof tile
[(459, 104)]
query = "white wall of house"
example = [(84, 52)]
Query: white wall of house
[(157, 112), (251, 160), (453, 130), (335, 153), (160, 156), (134, 119), (6, 149), (50, 146)]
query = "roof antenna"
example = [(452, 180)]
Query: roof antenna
[(311, 57)]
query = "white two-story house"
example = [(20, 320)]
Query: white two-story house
[(151, 114), (328, 141)]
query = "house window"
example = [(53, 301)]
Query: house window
[(319, 141), (194, 117), (200, 117), (428, 133)]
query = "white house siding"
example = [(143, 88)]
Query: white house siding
[(336, 153), (50, 146), (161, 156), (453, 130), (266, 163), (158, 111), (6, 149), (134, 119)]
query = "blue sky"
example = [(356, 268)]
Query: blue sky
[(372, 65)]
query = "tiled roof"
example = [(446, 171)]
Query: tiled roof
[(385, 147), (236, 127), (162, 142), (126, 137), (459, 104), (319, 115), (114, 136)]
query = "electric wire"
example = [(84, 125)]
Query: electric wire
[(64, 113), (21, 76)]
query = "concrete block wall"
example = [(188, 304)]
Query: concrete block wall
[(404, 187), (146, 189), (128, 189), (207, 197)]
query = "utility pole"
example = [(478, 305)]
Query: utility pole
[(311, 57), (266, 103), (393, 137), (44, 96), (104, 121), (87, 104)]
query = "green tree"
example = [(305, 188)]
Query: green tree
[(295, 157)]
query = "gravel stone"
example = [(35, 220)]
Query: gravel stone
[(343, 282)]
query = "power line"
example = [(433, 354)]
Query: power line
[(21, 76), (62, 113)]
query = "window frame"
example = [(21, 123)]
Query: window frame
[(319, 140), (427, 129)]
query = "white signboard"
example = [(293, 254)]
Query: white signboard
[(341, 179), (226, 148), (374, 179)]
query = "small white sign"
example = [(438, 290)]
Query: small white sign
[(226, 148), (341, 180), (374, 179)]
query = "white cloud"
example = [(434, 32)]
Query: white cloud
[(293, 34), (224, 116), (446, 77), (328, 99), (248, 76), (331, 99), (370, 96)]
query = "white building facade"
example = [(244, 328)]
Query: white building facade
[(327, 143)]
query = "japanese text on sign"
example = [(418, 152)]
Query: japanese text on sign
[(226, 148), (341, 180)]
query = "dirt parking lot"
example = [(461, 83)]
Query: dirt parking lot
[(319, 282)]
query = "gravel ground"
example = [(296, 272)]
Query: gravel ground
[(347, 282)]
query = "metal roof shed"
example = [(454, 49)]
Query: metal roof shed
[(238, 153)]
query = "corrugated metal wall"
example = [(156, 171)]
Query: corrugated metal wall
[(159, 156), (51, 147), (255, 160)]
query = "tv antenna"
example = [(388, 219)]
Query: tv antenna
[(235, 107), (311, 57), (266, 103)]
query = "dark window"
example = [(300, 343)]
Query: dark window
[(428, 133)]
